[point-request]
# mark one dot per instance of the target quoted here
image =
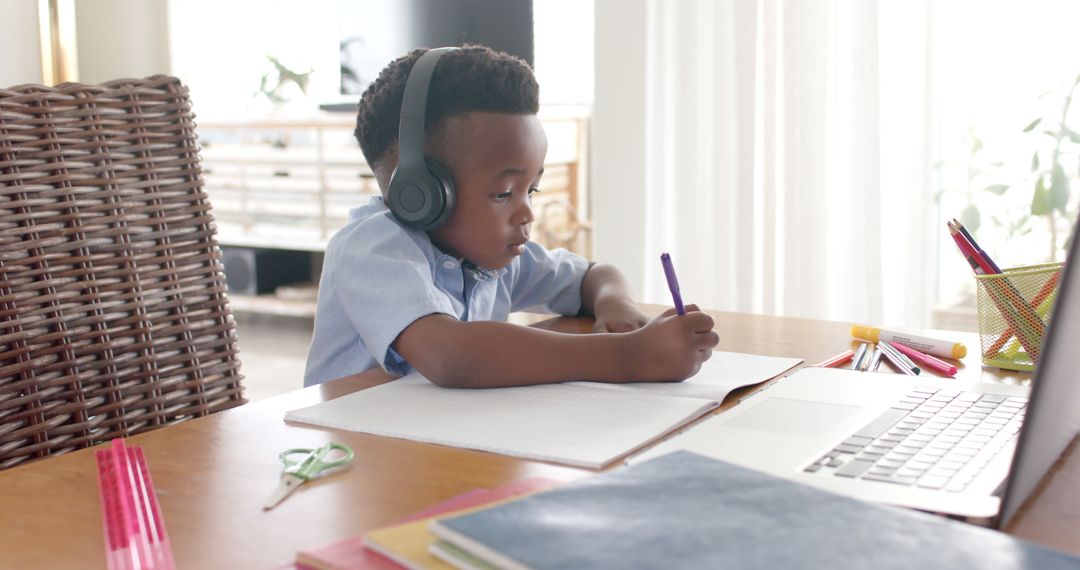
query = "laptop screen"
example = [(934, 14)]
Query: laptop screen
[(1053, 416)]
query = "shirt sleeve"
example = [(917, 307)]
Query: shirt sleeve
[(385, 284), (550, 280)]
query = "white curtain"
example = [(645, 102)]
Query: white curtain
[(786, 151)]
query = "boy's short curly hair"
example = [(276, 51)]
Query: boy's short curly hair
[(470, 78)]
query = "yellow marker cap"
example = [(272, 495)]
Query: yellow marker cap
[(865, 333), (959, 351)]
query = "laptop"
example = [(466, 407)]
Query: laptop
[(971, 450)]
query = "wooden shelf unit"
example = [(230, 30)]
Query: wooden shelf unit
[(289, 183)]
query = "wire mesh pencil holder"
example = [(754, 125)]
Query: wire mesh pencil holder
[(1014, 313)]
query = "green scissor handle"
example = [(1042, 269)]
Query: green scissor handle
[(312, 464)]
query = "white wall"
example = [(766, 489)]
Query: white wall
[(121, 39), (116, 38), (618, 139), (220, 50), (20, 49), (563, 40)]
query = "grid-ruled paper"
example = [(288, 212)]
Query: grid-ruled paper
[(719, 375), (563, 423)]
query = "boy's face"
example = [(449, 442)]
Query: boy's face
[(496, 160)]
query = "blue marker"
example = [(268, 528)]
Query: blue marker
[(672, 283)]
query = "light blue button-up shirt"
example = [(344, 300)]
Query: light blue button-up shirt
[(378, 277)]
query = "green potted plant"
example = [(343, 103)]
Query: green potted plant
[(971, 179), (280, 83), (1055, 161)]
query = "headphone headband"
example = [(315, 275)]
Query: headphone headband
[(414, 109), (421, 193)]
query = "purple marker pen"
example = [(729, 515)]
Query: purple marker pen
[(672, 283)]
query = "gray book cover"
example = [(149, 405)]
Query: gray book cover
[(685, 510)]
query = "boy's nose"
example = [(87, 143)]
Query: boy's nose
[(524, 215)]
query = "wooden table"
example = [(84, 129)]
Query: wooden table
[(212, 474)]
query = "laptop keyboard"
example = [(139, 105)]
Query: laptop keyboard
[(931, 438)]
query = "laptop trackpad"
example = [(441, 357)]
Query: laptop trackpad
[(793, 417)]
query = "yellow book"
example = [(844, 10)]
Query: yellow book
[(408, 543)]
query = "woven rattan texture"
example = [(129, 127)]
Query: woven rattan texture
[(114, 318)]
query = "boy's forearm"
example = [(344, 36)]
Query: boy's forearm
[(603, 283), (486, 354)]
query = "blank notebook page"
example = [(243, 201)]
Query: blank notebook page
[(718, 376), (562, 423)]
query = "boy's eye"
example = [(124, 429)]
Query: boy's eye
[(503, 196)]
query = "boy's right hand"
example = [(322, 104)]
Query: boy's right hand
[(671, 347)]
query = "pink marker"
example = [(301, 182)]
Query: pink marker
[(837, 360), (939, 366)]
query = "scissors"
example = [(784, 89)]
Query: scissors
[(299, 470)]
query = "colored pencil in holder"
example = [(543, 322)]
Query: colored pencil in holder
[(1022, 328), (1027, 326), (1043, 309), (1041, 302), (1037, 286), (993, 267)]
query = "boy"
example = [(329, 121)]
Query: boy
[(436, 301)]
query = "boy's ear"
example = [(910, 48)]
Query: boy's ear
[(382, 177), (383, 169)]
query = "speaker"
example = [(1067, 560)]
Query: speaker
[(252, 271)]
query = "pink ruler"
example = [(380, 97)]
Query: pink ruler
[(135, 536)]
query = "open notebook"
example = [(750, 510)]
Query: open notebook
[(575, 424), (718, 376)]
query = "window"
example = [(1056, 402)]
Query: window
[(997, 66)]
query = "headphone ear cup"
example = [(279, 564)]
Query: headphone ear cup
[(444, 187), (422, 199), (421, 193)]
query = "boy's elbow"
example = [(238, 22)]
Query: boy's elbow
[(442, 350), (448, 373), (451, 380), (445, 365)]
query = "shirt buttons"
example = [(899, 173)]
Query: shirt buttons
[(449, 264)]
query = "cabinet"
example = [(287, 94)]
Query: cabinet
[(288, 183)]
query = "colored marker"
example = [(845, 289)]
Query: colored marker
[(942, 348), (901, 362), (926, 360), (860, 355), (837, 360), (875, 360), (672, 283), (975, 245)]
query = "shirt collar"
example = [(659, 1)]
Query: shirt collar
[(481, 273)]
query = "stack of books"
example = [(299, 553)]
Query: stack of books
[(684, 510), (680, 510), (406, 544)]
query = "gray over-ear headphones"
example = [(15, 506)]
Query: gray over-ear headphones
[(421, 193)]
